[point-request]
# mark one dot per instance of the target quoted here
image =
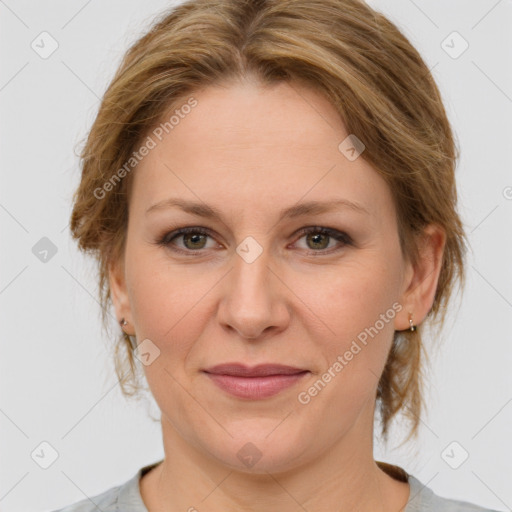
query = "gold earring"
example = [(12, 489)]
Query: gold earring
[(123, 322), (412, 327)]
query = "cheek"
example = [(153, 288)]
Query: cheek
[(167, 301), (356, 305), (169, 307), (352, 297)]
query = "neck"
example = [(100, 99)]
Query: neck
[(344, 478)]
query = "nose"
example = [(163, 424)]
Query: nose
[(254, 298)]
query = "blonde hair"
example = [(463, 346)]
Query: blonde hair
[(359, 60)]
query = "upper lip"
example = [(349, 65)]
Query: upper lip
[(261, 370)]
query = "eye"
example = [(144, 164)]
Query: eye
[(319, 238), (194, 239)]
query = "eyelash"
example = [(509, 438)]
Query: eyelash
[(342, 237)]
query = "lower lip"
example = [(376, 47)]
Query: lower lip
[(255, 387)]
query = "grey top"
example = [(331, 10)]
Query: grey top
[(127, 498)]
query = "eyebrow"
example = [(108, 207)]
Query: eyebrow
[(298, 210)]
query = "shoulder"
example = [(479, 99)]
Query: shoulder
[(121, 498), (106, 502), (423, 499)]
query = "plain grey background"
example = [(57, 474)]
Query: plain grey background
[(56, 375)]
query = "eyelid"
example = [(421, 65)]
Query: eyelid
[(332, 232)]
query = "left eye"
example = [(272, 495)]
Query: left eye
[(194, 239), (320, 237)]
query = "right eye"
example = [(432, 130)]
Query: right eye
[(193, 239)]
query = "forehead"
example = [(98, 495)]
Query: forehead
[(251, 111), (245, 144)]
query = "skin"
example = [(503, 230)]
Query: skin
[(251, 151)]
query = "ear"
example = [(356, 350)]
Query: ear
[(118, 290), (420, 281)]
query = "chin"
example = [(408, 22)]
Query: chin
[(258, 447)]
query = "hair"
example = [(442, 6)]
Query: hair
[(345, 50)]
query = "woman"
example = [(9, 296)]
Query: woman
[(269, 190)]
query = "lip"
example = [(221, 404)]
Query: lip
[(257, 382), (260, 370)]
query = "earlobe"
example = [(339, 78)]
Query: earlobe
[(422, 278), (117, 283)]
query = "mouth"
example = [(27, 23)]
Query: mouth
[(258, 382)]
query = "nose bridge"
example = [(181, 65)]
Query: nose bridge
[(251, 302), (250, 281)]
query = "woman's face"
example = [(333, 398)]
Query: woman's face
[(251, 287)]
